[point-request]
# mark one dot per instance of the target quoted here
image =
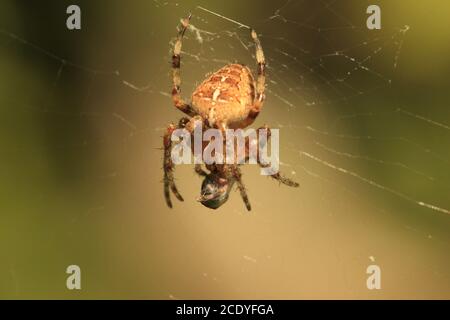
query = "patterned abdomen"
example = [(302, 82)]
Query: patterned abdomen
[(226, 96)]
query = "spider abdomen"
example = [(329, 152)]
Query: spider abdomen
[(225, 98)]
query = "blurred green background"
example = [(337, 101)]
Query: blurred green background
[(81, 166)]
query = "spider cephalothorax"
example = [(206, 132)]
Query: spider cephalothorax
[(230, 98)]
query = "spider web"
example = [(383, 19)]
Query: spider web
[(333, 90)]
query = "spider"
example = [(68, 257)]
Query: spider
[(229, 98)]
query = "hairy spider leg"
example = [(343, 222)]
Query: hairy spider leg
[(198, 169), (176, 64), (237, 176), (168, 165), (277, 176), (260, 81)]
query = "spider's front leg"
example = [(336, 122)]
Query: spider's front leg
[(169, 167), (260, 87), (277, 176), (178, 101)]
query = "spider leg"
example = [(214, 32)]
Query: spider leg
[(260, 80), (282, 179), (237, 176), (169, 183), (169, 167), (176, 64), (277, 176), (198, 169)]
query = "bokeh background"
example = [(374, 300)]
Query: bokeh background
[(81, 165)]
